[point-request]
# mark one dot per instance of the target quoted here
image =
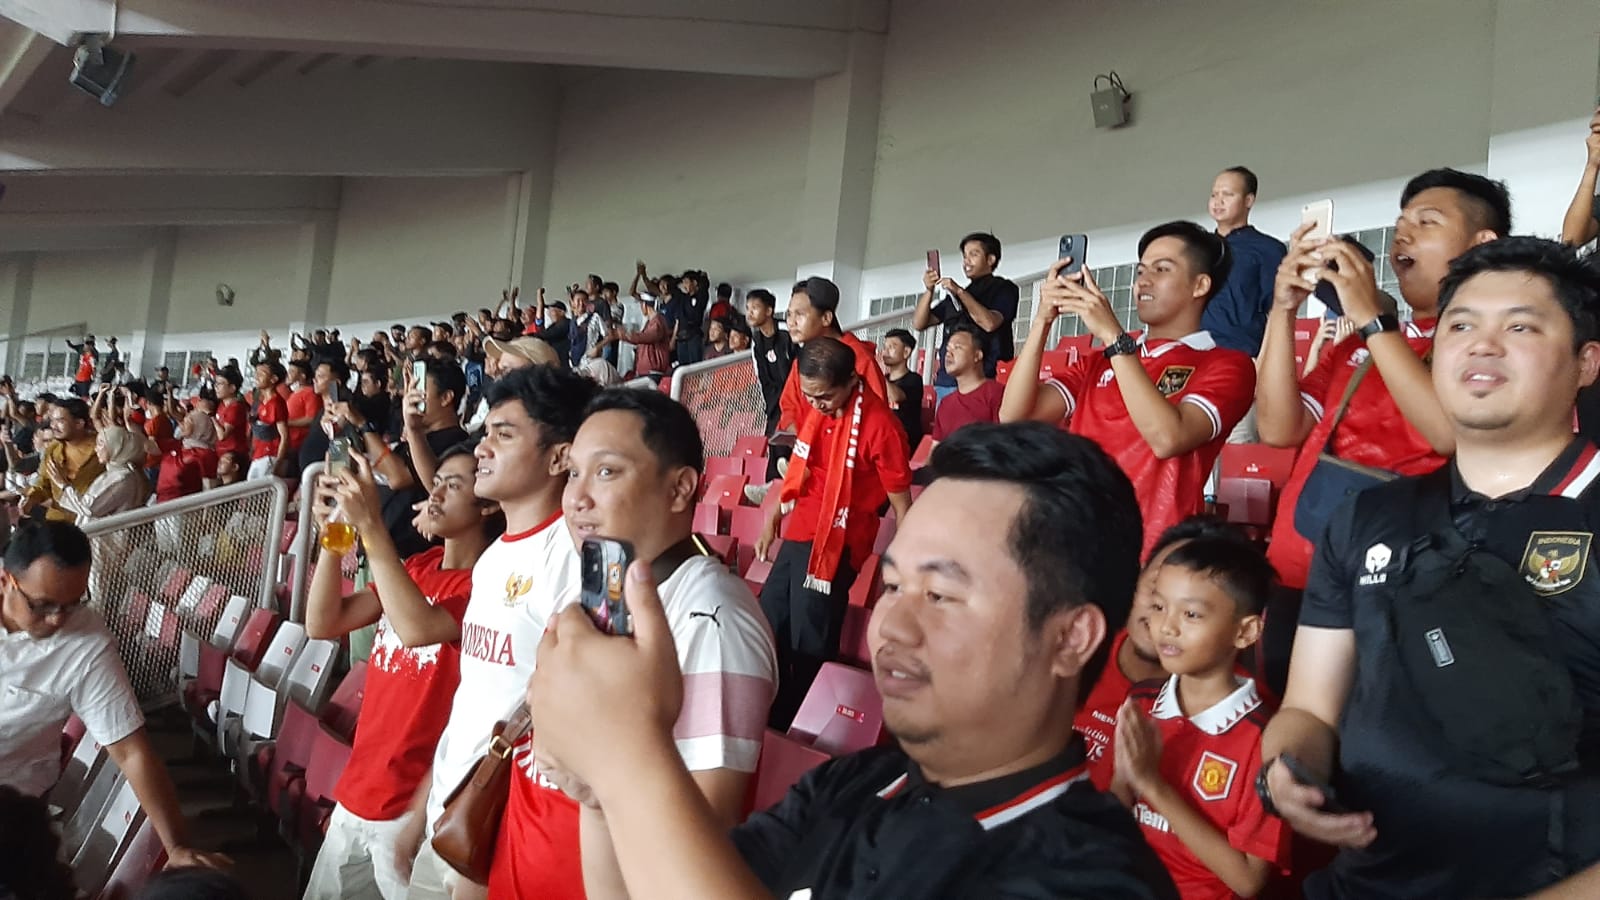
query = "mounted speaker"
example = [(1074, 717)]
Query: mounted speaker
[(100, 71)]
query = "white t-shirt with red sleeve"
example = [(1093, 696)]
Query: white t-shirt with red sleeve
[(406, 701), (726, 652), (517, 585)]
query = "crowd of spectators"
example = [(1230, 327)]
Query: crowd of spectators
[(1073, 657)]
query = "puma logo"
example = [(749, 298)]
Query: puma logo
[(709, 615)]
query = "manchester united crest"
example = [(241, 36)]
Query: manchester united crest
[(1555, 560), (1214, 778), (1173, 379)]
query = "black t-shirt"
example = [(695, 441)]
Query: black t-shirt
[(397, 511), (1441, 834), (774, 357), (869, 826), (910, 411), (996, 293)]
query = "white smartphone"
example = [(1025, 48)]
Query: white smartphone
[(1319, 215)]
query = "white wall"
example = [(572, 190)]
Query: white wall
[(413, 247), (258, 263), (103, 288), (686, 171)]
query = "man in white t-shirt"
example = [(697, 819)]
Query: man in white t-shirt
[(58, 660), (635, 467), (534, 412)]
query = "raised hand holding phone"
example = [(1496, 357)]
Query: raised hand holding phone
[(602, 563)]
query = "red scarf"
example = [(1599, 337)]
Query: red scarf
[(828, 545)]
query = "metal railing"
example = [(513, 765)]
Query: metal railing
[(160, 569), (724, 396)]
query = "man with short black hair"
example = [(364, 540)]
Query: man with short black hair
[(1000, 588), (814, 313), (773, 348), (1163, 404), (850, 457), (988, 303), (69, 460), (58, 660), (977, 397), (269, 424), (1237, 315), (903, 382), (1444, 675)]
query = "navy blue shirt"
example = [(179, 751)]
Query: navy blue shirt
[(1237, 315)]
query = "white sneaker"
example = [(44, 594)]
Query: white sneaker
[(783, 467), (756, 493)]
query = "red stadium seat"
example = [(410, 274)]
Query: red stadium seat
[(886, 530), (172, 588), (330, 752), (1055, 362), (707, 518), (783, 760), (1249, 500), (842, 712), (1257, 461), (755, 468), (751, 445), (290, 528), (745, 522), (1002, 371), (344, 706), (727, 491), (724, 465), (924, 450), (144, 856), (283, 765), (864, 591), (725, 548), (759, 569)]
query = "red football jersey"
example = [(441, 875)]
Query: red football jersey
[(1372, 433), (268, 413), (794, 403), (303, 403), (407, 701), (1192, 369), (1097, 718), (235, 415), (1212, 757), (883, 467)]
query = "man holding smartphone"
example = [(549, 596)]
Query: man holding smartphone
[(988, 302), (1443, 675), (635, 466)]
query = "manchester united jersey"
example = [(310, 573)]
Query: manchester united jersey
[(1192, 369), (1097, 717), (1212, 758)]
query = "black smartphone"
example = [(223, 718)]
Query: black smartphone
[(604, 566), (1330, 797), (1076, 248)]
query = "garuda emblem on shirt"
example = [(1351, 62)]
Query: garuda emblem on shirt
[(516, 587), (1555, 560), (1173, 379)]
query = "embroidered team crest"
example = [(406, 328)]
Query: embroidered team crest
[(517, 586), (1214, 778), (1173, 379), (1555, 560)]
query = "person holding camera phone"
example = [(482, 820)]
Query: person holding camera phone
[(417, 603), (636, 463), (1444, 669), (988, 303)]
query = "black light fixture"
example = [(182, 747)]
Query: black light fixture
[(100, 70)]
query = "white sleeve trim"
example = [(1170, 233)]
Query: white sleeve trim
[(1210, 409), (1312, 406), (1066, 395)]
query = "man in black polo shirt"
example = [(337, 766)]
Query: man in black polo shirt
[(1447, 662), (905, 384), (988, 302), (1000, 588), (774, 351)]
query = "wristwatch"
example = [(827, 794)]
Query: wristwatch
[(1264, 792), (1384, 322), (1122, 345), (368, 427)]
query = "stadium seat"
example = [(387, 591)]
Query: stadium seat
[(725, 548), (189, 600), (842, 712), (282, 764), (78, 779), (745, 523), (330, 752), (237, 681), (1249, 500), (344, 706), (105, 843), (307, 681), (924, 450), (755, 469), (723, 465), (1055, 362), (1257, 461), (71, 736), (783, 761), (143, 857), (887, 526), (234, 634), (751, 445), (864, 590), (707, 518), (173, 585), (1002, 371), (759, 569), (727, 491)]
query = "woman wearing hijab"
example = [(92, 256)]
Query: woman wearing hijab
[(121, 487)]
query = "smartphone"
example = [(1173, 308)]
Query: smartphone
[(933, 262), (419, 380), (1076, 248), (603, 565), (337, 393), (1318, 214), (339, 452), (1330, 798)]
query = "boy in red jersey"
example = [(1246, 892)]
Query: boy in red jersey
[(1134, 657), (412, 674), (1188, 748), (269, 432), (1162, 405)]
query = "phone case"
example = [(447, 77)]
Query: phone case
[(603, 564)]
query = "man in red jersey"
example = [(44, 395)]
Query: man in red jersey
[(1161, 405), (1392, 420), (814, 312), (269, 430)]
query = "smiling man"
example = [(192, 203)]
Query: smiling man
[(635, 467), (1161, 405), (987, 304), (1000, 587), (1445, 668), (58, 660)]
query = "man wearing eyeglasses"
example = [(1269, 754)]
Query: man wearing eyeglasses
[(57, 660)]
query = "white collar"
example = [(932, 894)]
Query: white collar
[(1219, 718), (1199, 340)]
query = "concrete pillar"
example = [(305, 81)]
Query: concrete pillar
[(16, 285), (142, 350), (528, 194), (313, 272), (839, 172)]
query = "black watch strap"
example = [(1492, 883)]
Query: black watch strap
[(1264, 792), (1382, 323), (1124, 344)]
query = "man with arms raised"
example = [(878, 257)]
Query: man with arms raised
[(1000, 588), (635, 466), (1444, 674)]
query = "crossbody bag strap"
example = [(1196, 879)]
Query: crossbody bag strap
[(676, 555), (1344, 401)]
